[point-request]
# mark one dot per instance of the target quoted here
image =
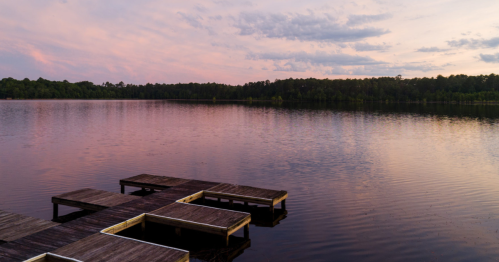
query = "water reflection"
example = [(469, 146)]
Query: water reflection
[(201, 246), (366, 182)]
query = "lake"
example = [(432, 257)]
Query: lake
[(366, 182)]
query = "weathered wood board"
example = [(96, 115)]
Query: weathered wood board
[(15, 226)]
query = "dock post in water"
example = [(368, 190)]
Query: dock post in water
[(283, 205), (246, 231), (56, 211), (122, 189)]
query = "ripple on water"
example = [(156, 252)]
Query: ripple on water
[(365, 183)]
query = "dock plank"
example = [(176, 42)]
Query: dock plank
[(92, 199), (103, 247), (201, 214), (15, 226), (153, 182)]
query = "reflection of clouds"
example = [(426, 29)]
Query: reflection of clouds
[(360, 181)]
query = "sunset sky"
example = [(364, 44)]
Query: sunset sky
[(235, 42)]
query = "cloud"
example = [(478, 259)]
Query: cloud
[(291, 67), (475, 43), (317, 59), (361, 47), (200, 8), (493, 42), (355, 20), (384, 70), (433, 49), (217, 17), (233, 3), (302, 28), (490, 58), (192, 20)]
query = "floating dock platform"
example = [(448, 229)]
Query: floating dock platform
[(230, 192), (94, 237), (15, 226), (90, 199)]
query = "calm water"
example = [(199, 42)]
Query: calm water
[(365, 182)]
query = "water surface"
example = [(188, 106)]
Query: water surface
[(370, 182)]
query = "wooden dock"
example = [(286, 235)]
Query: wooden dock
[(246, 194), (90, 199), (201, 218), (151, 182), (78, 239), (15, 226), (103, 247)]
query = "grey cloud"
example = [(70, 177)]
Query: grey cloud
[(229, 46), (233, 3), (433, 49), (264, 68), (384, 70), (475, 43), (192, 20), (302, 27), (394, 70), (355, 20), (368, 47), (494, 42), (317, 59), (490, 58), (291, 67), (200, 8), (217, 17)]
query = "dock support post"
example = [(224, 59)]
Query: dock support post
[(246, 231), (203, 199), (143, 228), (227, 241), (123, 189), (272, 209), (56, 211), (245, 204), (219, 200), (178, 231), (143, 189), (231, 203), (283, 205)]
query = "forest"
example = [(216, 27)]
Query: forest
[(454, 88)]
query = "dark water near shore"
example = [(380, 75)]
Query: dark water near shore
[(369, 182)]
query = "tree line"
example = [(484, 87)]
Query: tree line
[(455, 88)]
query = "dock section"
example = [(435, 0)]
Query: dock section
[(51, 239), (16, 226), (90, 199), (201, 218), (103, 247), (151, 182), (87, 238), (248, 194)]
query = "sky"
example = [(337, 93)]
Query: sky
[(239, 41)]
